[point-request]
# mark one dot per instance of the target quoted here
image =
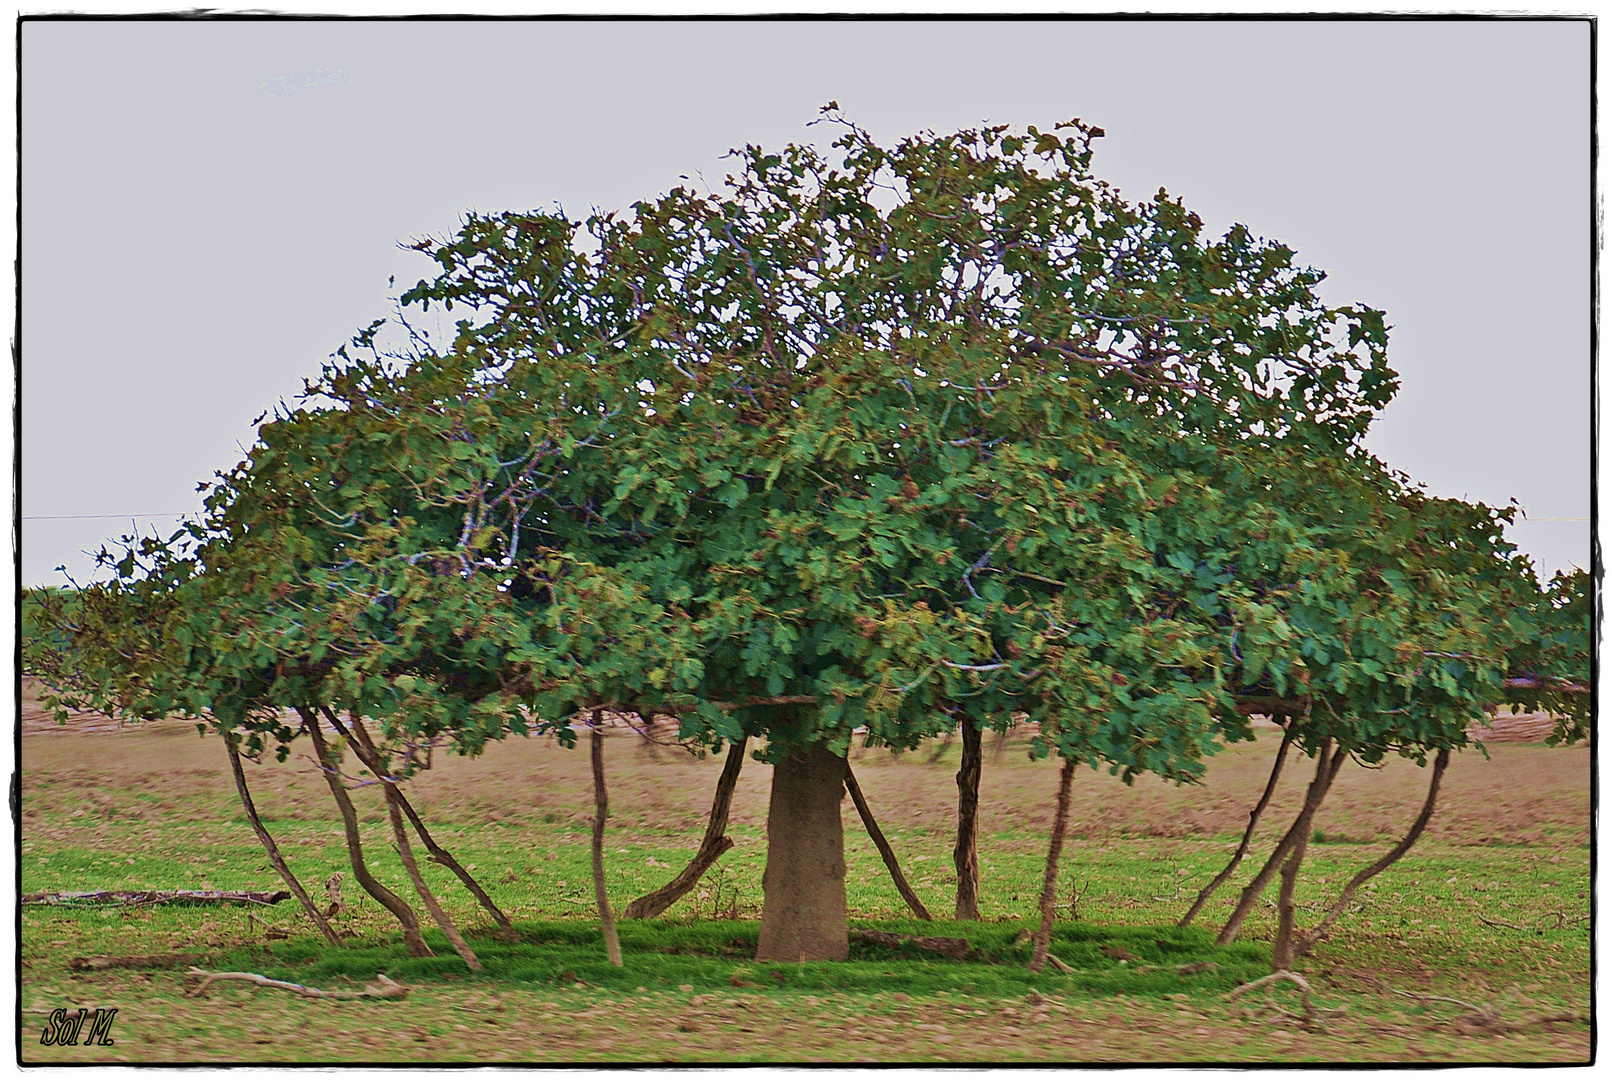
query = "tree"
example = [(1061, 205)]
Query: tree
[(914, 437)]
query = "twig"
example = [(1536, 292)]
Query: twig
[(1434, 997), (381, 988), (1499, 922), (1562, 922)]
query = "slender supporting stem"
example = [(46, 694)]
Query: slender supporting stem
[(1049, 881), (965, 855), (713, 846), (366, 746), (601, 810), (272, 848), (885, 851), (1286, 910), (406, 854), (1308, 940), (400, 833), (1248, 834), (1325, 772), (412, 941)]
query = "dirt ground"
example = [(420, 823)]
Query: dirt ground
[(1521, 793)]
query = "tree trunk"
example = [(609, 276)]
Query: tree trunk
[(1325, 773), (1049, 881), (713, 846), (601, 810), (371, 757), (1282, 947), (965, 856), (1308, 941), (803, 886), (1248, 834), (412, 941), (273, 849), (883, 845), (404, 853), (366, 746)]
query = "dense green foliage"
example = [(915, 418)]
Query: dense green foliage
[(911, 437)]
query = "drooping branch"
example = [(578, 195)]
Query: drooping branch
[(1318, 933), (405, 853), (885, 851), (370, 755), (1325, 772), (1248, 834), (713, 845), (601, 810), (412, 941), (1049, 881), (275, 858)]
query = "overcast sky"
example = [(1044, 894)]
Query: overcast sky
[(209, 209)]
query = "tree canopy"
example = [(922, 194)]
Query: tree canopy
[(892, 438)]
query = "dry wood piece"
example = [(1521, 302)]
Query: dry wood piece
[(1310, 1020), (1059, 965), (155, 960), (154, 896), (885, 851), (382, 987), (1486, 1019), (956, 948), (333, 894)]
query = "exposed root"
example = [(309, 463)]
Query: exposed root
[(956, 948)]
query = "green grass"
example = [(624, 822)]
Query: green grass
[(716, 956)]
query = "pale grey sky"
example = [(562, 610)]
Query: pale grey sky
[(210, 208)]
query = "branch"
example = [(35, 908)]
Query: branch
[(381, 988)]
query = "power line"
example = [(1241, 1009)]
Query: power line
[(87, 517)]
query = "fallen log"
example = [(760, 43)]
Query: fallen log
[(155, 960), (154, 896), (954, 947)]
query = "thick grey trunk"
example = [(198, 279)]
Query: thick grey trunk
[(803, 887)]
